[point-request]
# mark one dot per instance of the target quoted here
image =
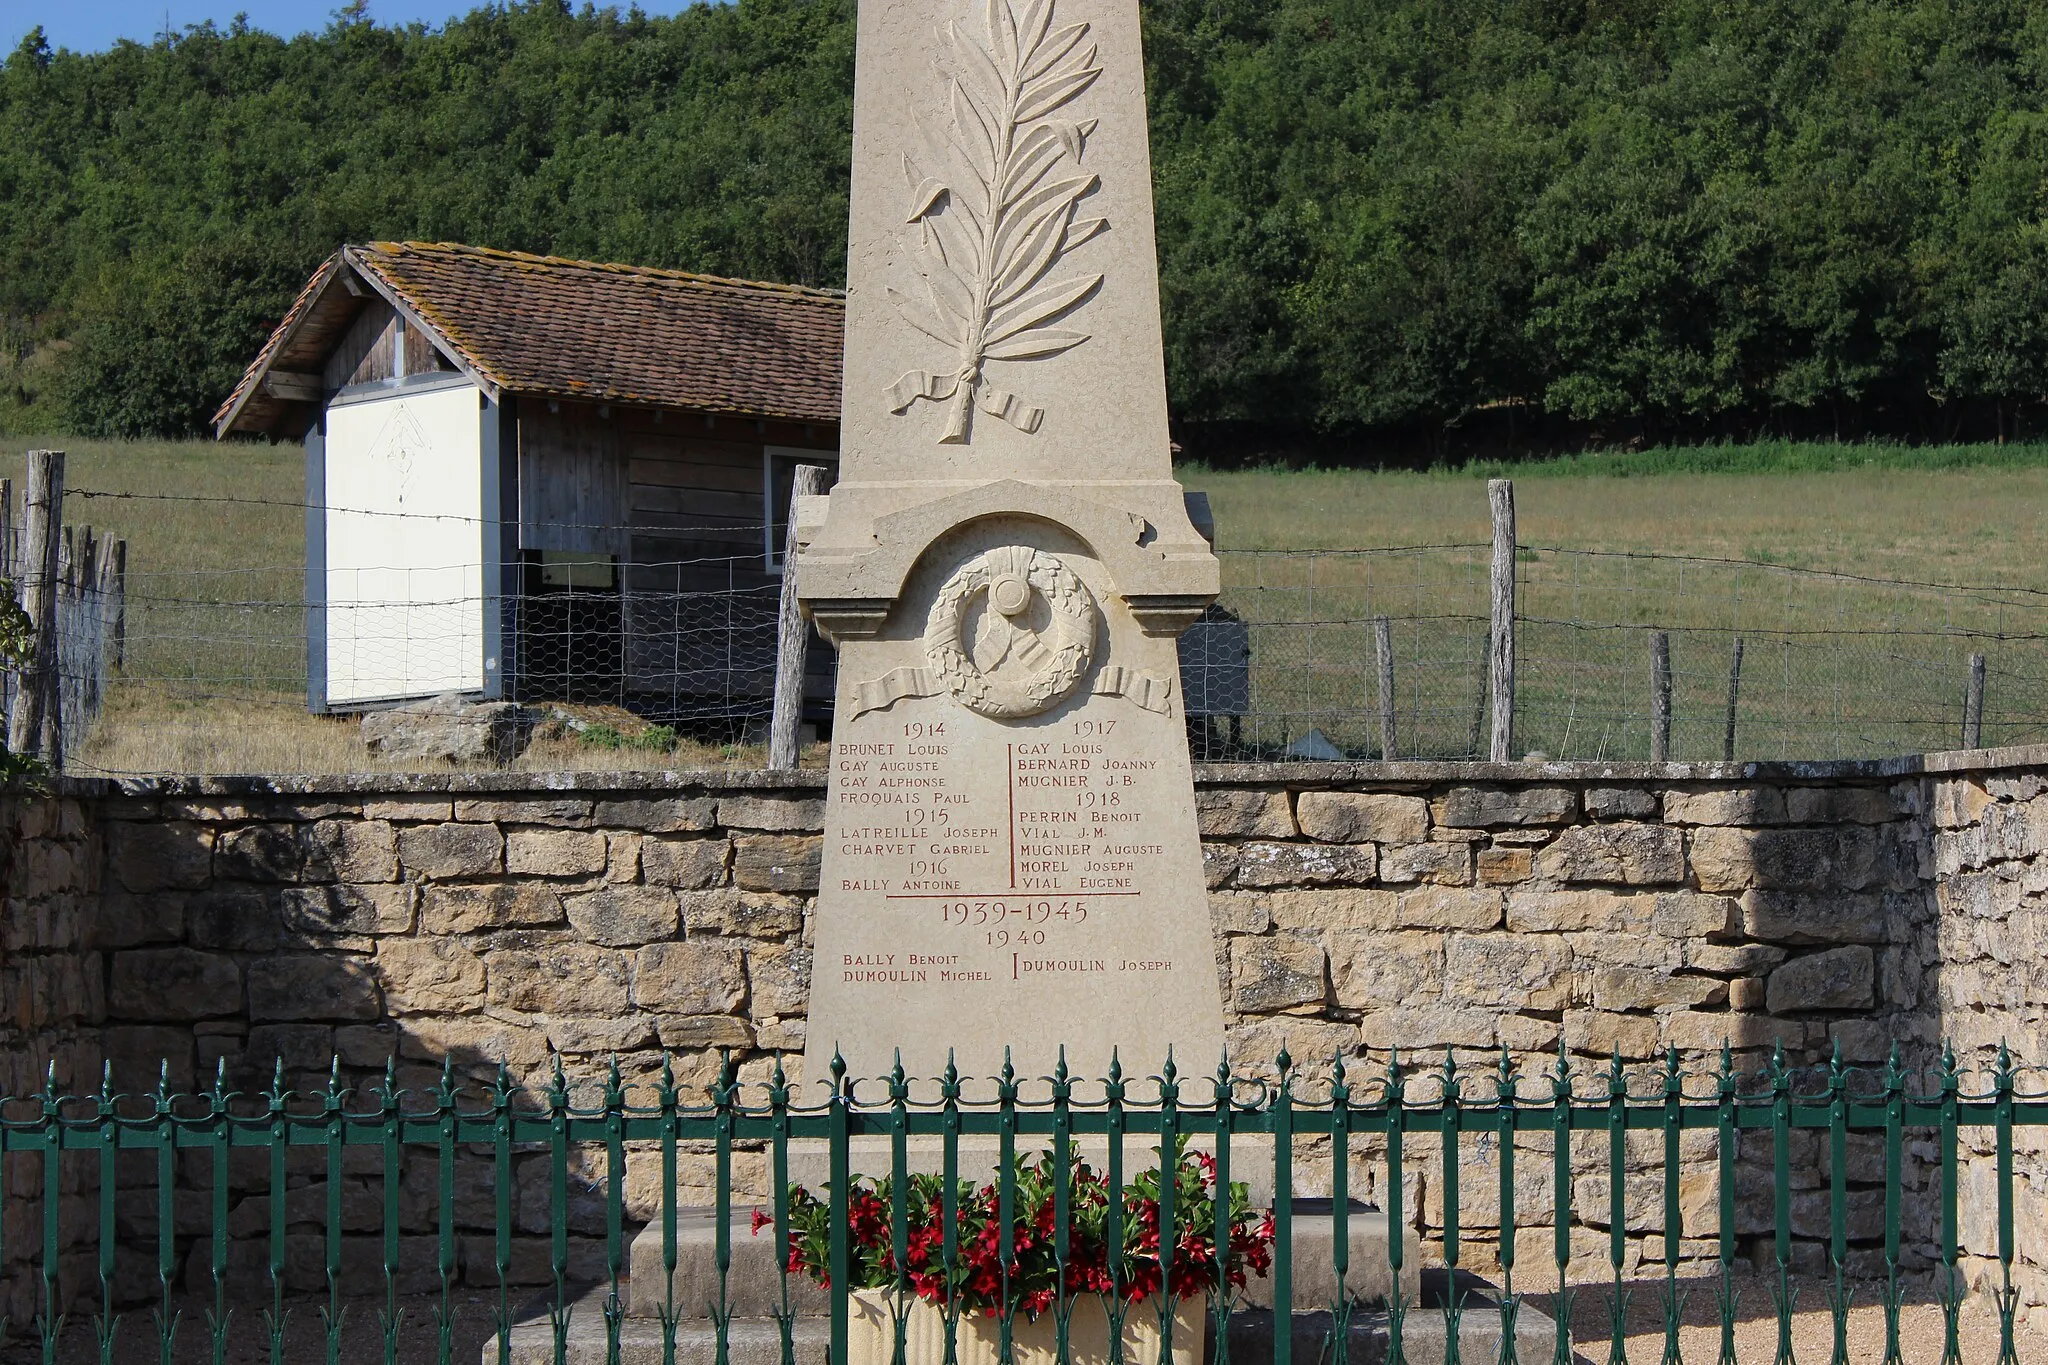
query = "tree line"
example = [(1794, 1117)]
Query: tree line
[(1391, 220)]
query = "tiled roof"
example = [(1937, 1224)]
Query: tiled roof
[(620, 333)]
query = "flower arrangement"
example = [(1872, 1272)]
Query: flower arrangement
[(1134, 1270)]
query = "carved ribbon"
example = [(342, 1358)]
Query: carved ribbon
[(938, 388), (1147, 690)]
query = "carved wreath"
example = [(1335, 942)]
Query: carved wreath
[(995, 215), (1054, 660)]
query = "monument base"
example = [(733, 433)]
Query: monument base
[(754, 1295)]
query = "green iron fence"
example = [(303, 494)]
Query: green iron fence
[(912, 1235)]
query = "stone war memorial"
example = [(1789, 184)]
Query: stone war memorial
[(1011, 861)]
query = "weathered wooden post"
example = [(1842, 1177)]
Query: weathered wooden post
[(792, 634), (1734, 691), (1660, 696), (35, 697), (1973, 705), (117, 599), (1383, 642), (1500, 495)]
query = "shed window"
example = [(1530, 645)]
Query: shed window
[(778, 472)]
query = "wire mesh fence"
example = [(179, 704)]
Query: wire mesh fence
[(1831, 664), (644, 659)]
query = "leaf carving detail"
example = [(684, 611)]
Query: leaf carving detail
[(991, 221)]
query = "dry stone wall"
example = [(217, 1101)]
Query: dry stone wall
[(1470, 912)]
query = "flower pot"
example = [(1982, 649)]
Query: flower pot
[(871, 1334)]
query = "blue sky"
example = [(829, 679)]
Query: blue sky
[(89, 25)]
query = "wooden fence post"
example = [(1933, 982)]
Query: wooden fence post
[(35, 696), (1973, 705), (792, 634), (1660, 697), (1383, 642), (1500, 496), (1734, 691), (117, 591)]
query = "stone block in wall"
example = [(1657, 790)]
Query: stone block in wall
[(1372, 969), (795, 814), (1959, 801), (1733, 958), (1268, 864), (624, 916), (1619, 803), (312, 986), (1239, 813), (1238, 912), (171, 856), (1219, 862), (301, 1047), (468, 909), (1555, 911), (1837, 979), (549, 810), (474, 1043), (1629, 853), (1691, 914), (1810, 917), (1362, 817), (1444, 907), (1417, 1029), (1600, 948), (1788, 859), (1505, 866), (561, 978), (1487, 807), (259, 853), (687, 864), (1311, 912), (703, 1030), (777, 862), (1703, 1032), (322, 914), (1508, 971), (698, 976), (554, 852), (778, 979), (366, 1045), (742, 914), (661, 815), (237, 918), (437, 974), (1839, 806), (351, 850), (1725, 806), (580, 1035), (1272, 974), (122, 919), (1256, 1043), (1603, 1033), (1448, 863), (451, 850), (139, 1054), (410, 809), (1631, 988), (173, 984)]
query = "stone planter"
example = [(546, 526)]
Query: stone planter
[(871, 1334)]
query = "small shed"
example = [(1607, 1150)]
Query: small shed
[(536, 478)]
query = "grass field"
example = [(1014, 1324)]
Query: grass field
[(1833, 665)]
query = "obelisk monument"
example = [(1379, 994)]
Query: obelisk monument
[(1011, 856)]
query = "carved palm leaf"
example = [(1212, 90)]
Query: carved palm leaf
[(993, 217)]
